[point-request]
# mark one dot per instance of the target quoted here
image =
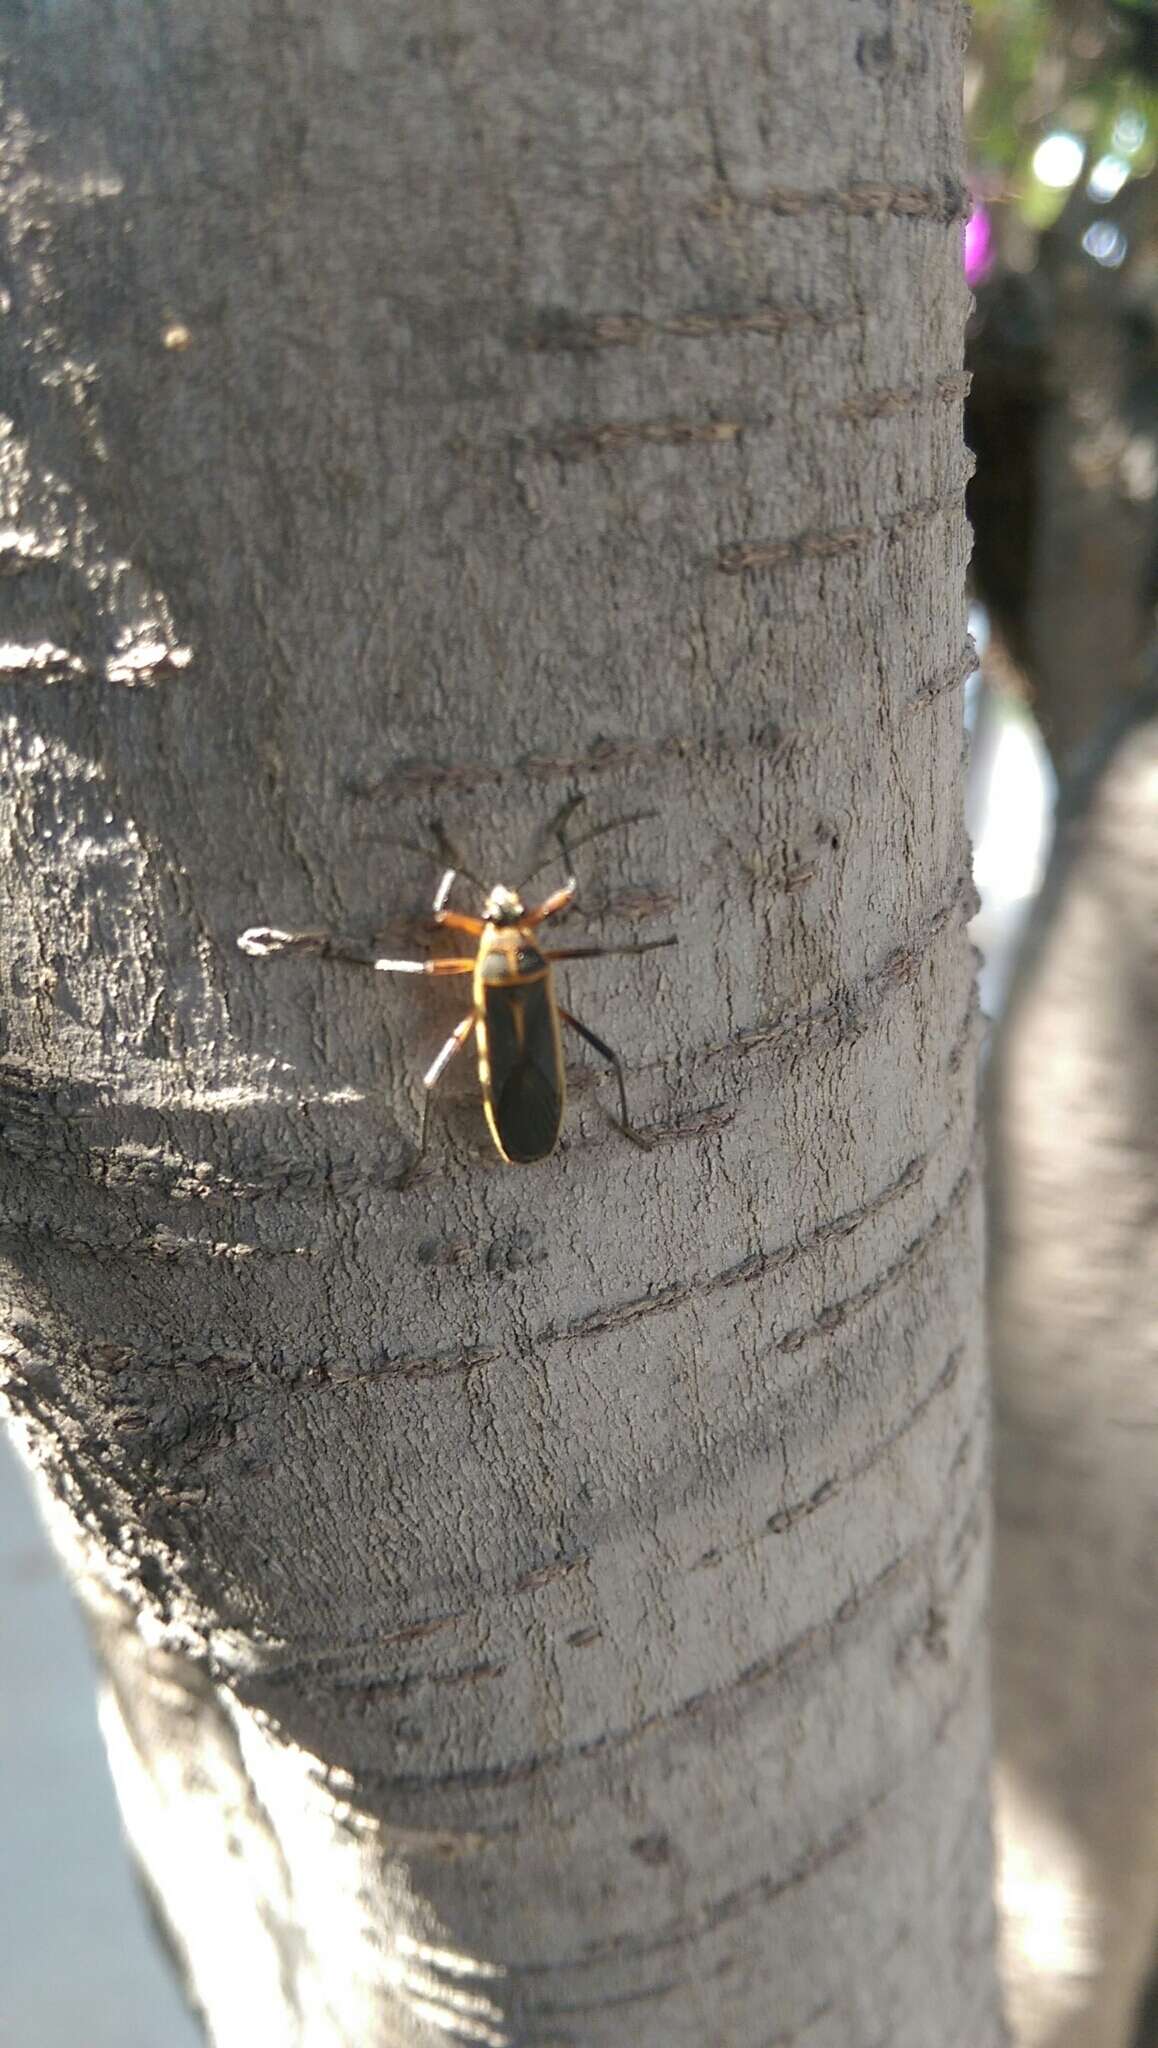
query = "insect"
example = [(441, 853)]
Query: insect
[(515, 1016)]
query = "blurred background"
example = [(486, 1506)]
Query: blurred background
[(1062, 254)]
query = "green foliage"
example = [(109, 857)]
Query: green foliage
[(1034, 75)]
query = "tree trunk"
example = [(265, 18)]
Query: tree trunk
[(1063, 416), (1075, 1279), (540, 1606)]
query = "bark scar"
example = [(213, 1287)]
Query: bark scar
[(742, 556), (579, 334)]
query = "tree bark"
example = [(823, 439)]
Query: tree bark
[(544, 1606)]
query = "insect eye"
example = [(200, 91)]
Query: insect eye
[(528, 959)]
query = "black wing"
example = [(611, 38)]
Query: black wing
[(525, 1094)]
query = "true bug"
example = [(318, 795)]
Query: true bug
[(514, 1016)]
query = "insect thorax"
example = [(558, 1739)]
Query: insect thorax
[(509, 955)]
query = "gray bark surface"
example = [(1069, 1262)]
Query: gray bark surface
[(1073, 1115), (540, 1607)]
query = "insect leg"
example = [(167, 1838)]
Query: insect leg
[(605, 1052), (458, 921), (423, 966), (558, 900), (454, 1044), (266, 942), (443, 890), (430, 1080)]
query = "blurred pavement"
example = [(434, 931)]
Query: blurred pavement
[(82, 1968)]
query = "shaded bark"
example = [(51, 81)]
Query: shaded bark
[(1073, 1113), (537, 1608)]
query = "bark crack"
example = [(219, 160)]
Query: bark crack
[(573, 442), (839, 1312), (740, 557), (754, 1267), (950, 679), (944, 204), (617, 754), (762, 1891), (844, 1007), (563, 333), (891, 403), (323, 1667), (798, 1511), (609, 436), (820, 1636)]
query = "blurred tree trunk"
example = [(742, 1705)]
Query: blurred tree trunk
[(1074, 1112), (1063, 417), (537, 1607)]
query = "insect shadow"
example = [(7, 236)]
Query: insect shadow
[(515, 1017)]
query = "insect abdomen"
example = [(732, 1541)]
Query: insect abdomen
[(521, 1067)]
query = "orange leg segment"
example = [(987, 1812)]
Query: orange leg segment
[(558, 900), (424, 966)]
